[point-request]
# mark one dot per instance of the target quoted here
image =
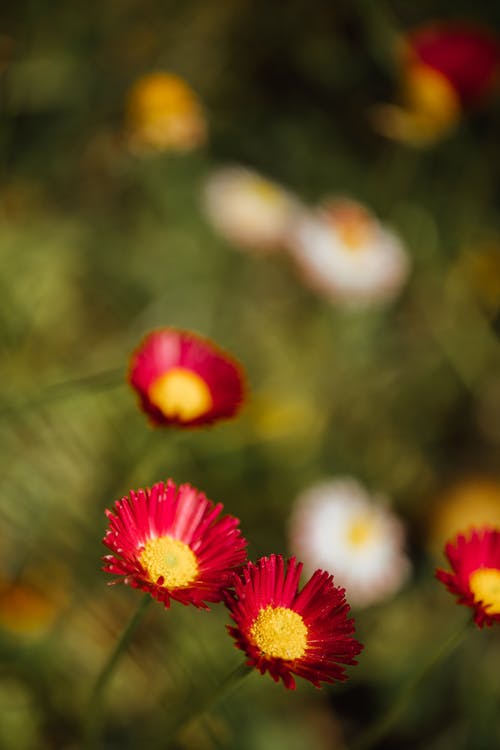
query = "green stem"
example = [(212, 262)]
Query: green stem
[(381, 726), (95, 702), (198, 708)]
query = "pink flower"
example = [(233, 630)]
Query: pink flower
[(171, 542), (285, 631), (185, 380)]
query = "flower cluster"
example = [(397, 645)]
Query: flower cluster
[(173, 543), (340, 250)]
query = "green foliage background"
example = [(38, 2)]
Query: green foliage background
[(98, 246)]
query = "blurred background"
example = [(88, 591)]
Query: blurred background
[(103, 236)]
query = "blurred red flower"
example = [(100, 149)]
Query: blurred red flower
[(467, 56), (444, 67), (185, 380)]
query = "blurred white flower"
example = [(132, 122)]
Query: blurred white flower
[(346, 254), (247, 209), (337, 526)]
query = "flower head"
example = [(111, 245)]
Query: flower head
[(468, 57), (163, 114), (185, 380), (337, 526), (344, 253), (171, 542), (247, 209), (475, 580), (285, 631), (445, 68)]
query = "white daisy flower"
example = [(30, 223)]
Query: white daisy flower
[(346, 254), (338, 527), (247, 209)]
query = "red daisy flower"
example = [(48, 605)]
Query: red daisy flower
[(284, 631), (170, 542), (185, 380), (476, 573), (467, 56), (445, 68)]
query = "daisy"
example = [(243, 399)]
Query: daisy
[(445, 68), (247, 209), (344, 253), (171, 542), (164, 114), (285, 631), (337, 526), (475, 580), (185, 380)]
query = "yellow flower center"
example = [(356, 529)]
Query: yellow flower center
[(161, 94), (354, 234), (181, 394), (265, 190), (359, 532), (431, 106), (171, 559), (430, 94), (280, 632), (352, 222), (485, 585)]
